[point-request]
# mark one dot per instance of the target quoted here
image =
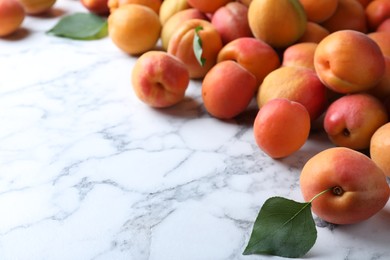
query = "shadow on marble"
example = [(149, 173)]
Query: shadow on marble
[(18, 35), (54, 12)]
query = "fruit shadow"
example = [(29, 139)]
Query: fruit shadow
[(18, 35), (53, 12)]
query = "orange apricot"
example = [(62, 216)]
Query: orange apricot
[(314, 33), (281, 127), (182, 42), (11, 16), (278, 23), (126, 27), (227, 89)]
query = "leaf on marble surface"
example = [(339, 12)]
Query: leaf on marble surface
[(198, 46), (81, 26), (283, 228)]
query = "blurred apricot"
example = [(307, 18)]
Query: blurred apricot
[(319, 10), (376, 12), (208, 6), (11, 16), (380, 148), (364, 3), (313, 33), (300, 54), (170, 7), (153, 4), (36, 7), (349, 15), (384, 26), (383, 41), (126, 28), (171, 25)]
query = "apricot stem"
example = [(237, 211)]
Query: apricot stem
[(337, 190), (322, 192)]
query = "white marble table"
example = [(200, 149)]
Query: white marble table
[(87, 171)]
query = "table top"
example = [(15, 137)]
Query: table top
[(87, 171)]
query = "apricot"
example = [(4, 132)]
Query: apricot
[(182, 42), (278, 23), (380, 148), (11, 16), (319, 10), (300, 54), (281, 127), (364, 3), (349, 61), (99, 7), (159, 79), (382, 89), (351, 120), (126, 28), (376, 12), (297, 84), (207, 6), (349, 15), (384, 26), (245, 2), (383, 41), (227, 89), (253, 54), (231, 21), (313, 33), (171, 25), (357, 187), (170, 7), (153, 4), (36, 7)]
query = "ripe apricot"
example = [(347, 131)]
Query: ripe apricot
[(278, 23), (349, 61), (297, 84), (171, 25), (281, 127), (182, 42), (253, 54), (227, 89), (11, 16), (380, 148), (127, 28), (357, 187), (159, 79)]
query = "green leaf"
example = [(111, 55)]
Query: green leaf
[(283, 228), (198, 46), (81, 26)]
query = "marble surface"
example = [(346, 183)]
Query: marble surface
[(87, 171)]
